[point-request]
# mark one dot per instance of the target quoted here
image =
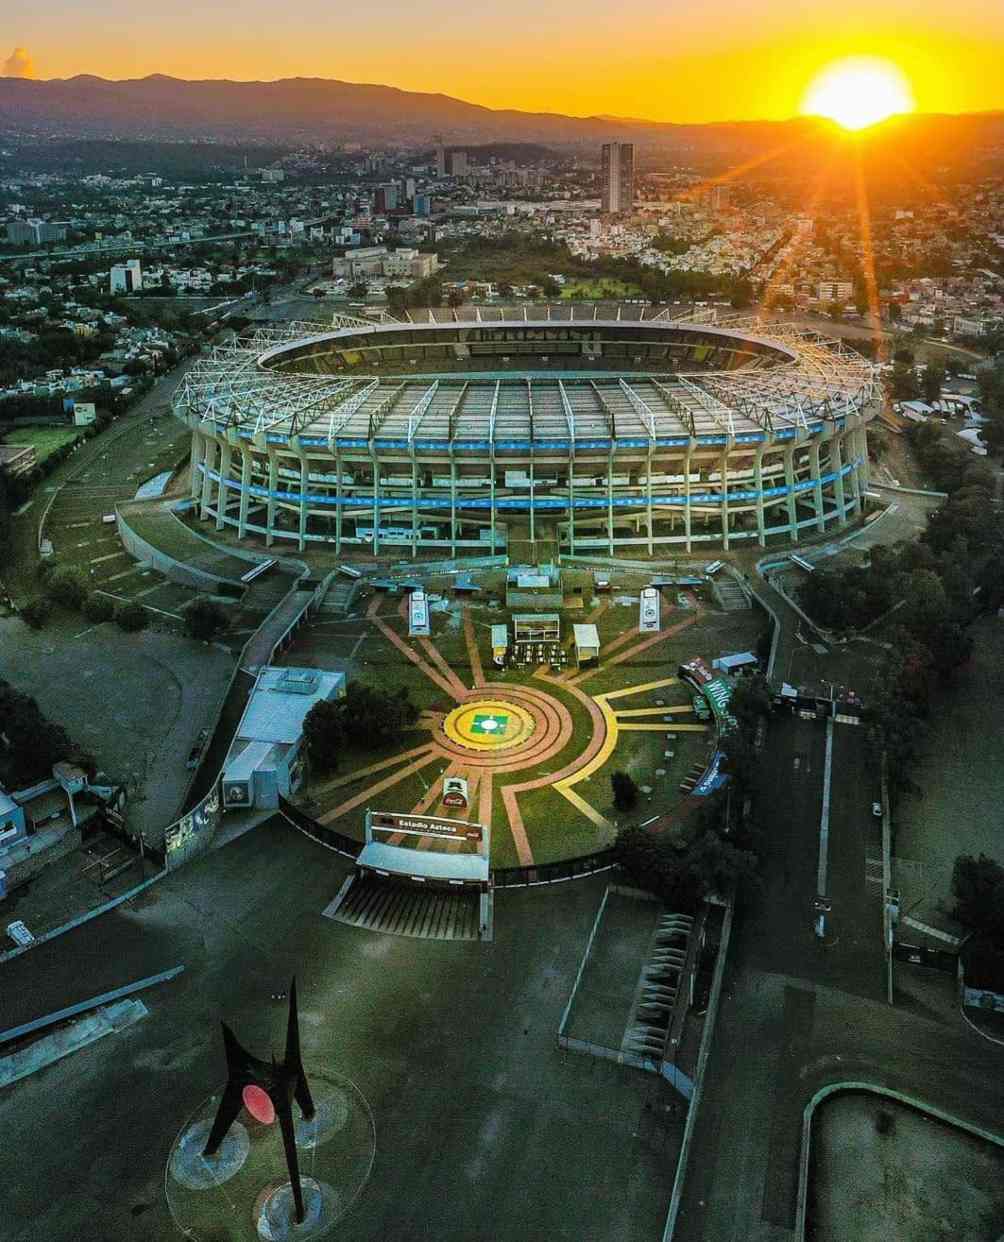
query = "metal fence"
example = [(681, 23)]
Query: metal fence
[(556, 872), (502, 877), (349, 847)]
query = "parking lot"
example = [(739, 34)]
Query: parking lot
[(484, 1129)]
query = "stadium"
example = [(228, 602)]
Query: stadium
[(539, 430)]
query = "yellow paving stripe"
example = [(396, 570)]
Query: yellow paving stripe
[(623, 713), (585, 808), (645, 685), (604, 752), (665, 727)]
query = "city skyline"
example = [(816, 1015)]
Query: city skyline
[(688, 65)]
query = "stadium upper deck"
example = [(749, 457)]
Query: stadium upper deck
[(391, 420)]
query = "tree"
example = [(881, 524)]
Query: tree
[(750, 702), (932, 382), (33, 743), (455, 298), (324, 734), (359, 290), (904, 382), (131, 617), (98, 608), (36, 612), (363, 718), (978, 886), (204, 619), (67, 587), (550, 288), (625, 791)]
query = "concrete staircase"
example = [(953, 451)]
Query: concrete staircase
[(337, 602), (730, 594), (407, 910)]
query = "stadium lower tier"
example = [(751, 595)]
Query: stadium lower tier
[(695, 494)]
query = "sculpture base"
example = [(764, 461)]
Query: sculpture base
[(244, 1193), (276, 1212), (191, 1169)]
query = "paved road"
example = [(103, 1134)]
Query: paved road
[(798, 1013)]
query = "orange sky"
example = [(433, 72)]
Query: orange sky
[(679, 60)]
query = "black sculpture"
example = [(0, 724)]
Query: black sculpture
[(281, 1081)]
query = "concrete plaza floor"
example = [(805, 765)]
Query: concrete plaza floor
[(484, 1129)]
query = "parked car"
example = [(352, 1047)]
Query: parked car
[(877, 809)]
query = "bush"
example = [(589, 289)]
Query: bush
[(131, 617), (67, 587), (36, 612), (885, 1123), (625, 791), (98, 608), (204, 619)]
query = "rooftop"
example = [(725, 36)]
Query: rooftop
[(280, 701), (747, 379)]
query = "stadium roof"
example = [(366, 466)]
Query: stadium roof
[(793, 378)]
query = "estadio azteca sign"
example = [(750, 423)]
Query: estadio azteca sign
[(425, 826)]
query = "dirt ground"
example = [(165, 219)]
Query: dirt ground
[(135, 701), (921, 1181)]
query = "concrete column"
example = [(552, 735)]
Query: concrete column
[(242, 520), (198, 456), (273, 483), (533, 523), (304, 488), (836, 462), (453, 503), (414, 504), (817, 489), (648, 493), (338, 497), (491, 490), (863, 471), (222, 491), (761, 522), (686, 495), (723, 470), (610, 502), (571, 499), (210, 458), (853, 439), (375, 464), (789, 480)]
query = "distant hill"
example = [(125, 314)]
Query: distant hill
[(320, 110)]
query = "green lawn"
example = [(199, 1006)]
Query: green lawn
[(46, 440), (603, 289)]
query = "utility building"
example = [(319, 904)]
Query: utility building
[(266, 757)]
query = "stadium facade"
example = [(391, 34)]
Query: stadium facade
[(588, 430)]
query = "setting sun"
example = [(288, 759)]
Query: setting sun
[(858, 92)]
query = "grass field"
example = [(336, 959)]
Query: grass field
[(555, 826), (604, 289), (46, 440), (960, 775)]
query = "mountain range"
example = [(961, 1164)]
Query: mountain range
[(327, 111)]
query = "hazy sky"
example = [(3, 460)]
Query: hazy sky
[(671, 60)]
